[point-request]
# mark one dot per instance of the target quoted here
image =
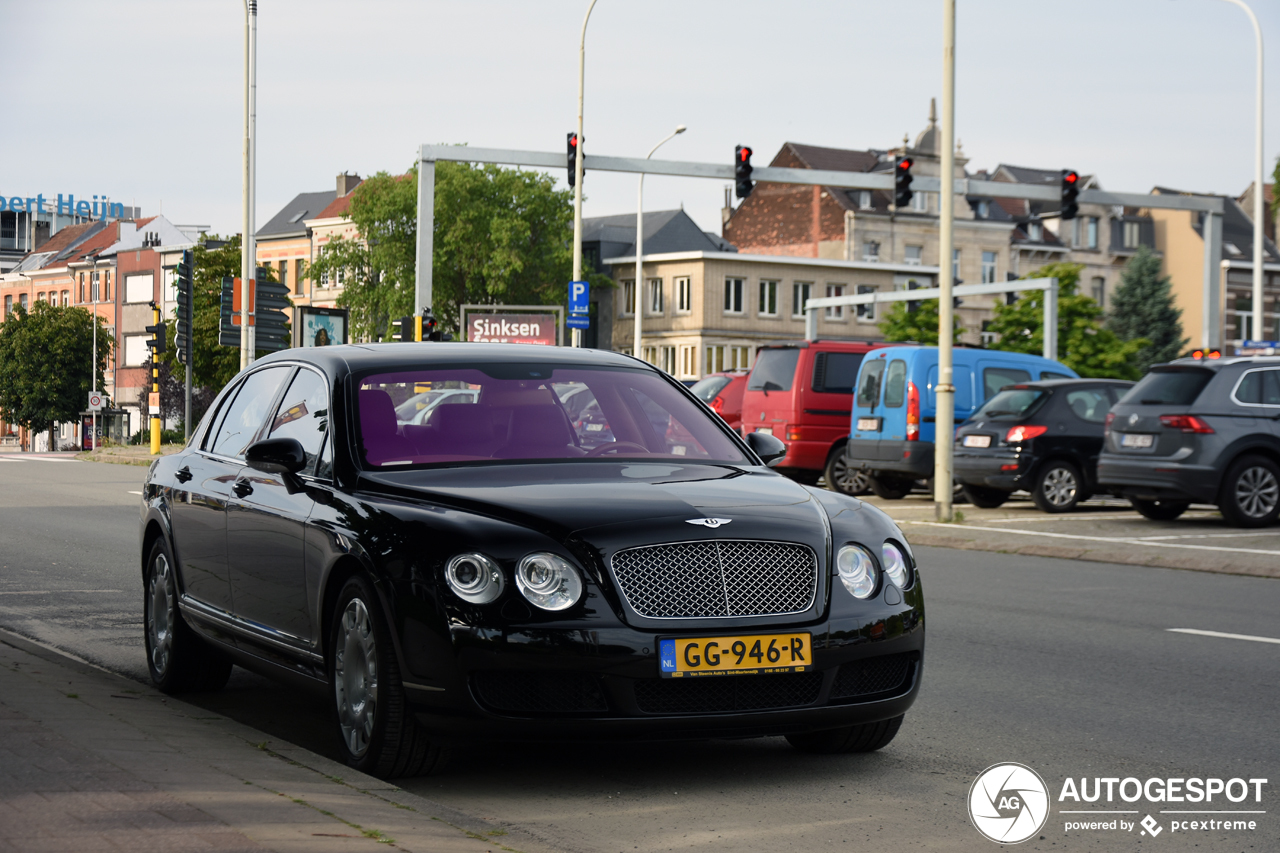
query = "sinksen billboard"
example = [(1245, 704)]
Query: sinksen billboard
[(514, 328)]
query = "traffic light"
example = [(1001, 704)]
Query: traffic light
[(742, 171), (270, 300), (901, 181), (156, 342), (430, 326), (228, 330), (1070, 190), (572, 159), (182, 281), (405, 329)]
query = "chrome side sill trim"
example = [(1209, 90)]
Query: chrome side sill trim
[(249, 630), (427, 687)]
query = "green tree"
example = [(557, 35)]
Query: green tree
[(920, 325), (212, 365), (1084, 344), (1275, 194), (47, 354), (502, 236), (1142, 307)]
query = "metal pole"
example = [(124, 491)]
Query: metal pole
[(639, 300), (944, 427), (1050, 342), (93, 371), (246, 242), (422, 293), (577, 171), (1259, 323)]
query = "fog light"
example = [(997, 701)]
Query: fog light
[(474, 578), (857, 570), (895, 565), (548, 581)]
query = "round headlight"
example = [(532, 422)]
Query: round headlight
[(857, 570), (895, 565), (548, 581), (474, 578)]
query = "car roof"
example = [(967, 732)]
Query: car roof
[(357, 358), (830, 345), (1067, 383), (962, 354), (1221, 362)]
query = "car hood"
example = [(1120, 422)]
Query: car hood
[(574, 499)]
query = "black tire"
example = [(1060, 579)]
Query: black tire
[(844, 479), (864, 738), (1160, 510), (1058, 486), (388, 742), (986, 498), (1250, 494), (179, 661), (890, 488)]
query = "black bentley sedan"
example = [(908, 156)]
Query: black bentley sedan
[(1043, 437), (497, 570)]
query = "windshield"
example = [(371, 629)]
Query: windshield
[(507, 412), (1011, 404), (1176, 386), (775, 370), (708, 389)]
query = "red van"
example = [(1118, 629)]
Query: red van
[(802, 393)]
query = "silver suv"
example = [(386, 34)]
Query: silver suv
[(1202, 430)]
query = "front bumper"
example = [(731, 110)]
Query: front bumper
[(1158, 479)]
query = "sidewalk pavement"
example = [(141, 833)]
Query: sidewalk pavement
[(126, 454), (91, 761)]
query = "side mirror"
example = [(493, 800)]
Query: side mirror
[(769, 448), (276, 456)]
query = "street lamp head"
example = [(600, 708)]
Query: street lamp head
[(680, 128)]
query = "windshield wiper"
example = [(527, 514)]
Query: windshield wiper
[(993, 413)]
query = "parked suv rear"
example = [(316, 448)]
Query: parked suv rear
[(1203, 430), (802, 393)]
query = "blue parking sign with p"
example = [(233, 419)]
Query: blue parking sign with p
[(579, 297)]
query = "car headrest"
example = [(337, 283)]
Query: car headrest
[(540, 426), (377, 413), (462, 421)]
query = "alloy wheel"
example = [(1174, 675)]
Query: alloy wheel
[(1257, 491), (1060, 486), (851, 481), (355, 677), (160, 595)]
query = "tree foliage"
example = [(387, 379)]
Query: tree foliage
[(502, 236), (47, 355), (1142, 307), (1084, 344), (920, 325)]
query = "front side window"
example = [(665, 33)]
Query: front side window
[(518, 413), (244, 414), (733, 295), (869, 384), (303, 414), (768, 299), (799, 296)]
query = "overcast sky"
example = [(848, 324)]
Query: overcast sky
[(142, 99)]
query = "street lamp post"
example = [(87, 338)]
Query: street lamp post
[(93, 369), (1258, 319), (577, 171), (639, 285), (247, 248), (944, 428)]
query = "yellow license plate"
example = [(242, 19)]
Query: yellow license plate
[(744, 655)]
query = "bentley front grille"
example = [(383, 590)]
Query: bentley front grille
[(717, 578)]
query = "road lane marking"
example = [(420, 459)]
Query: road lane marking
[(1114, 540), (132, 492), (1205, 536), (1198, 632), (51, 591)]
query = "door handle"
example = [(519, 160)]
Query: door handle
[(184, 474), (242, 488)]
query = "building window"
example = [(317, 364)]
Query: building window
[(324, 278), (169, 277), (627, 308), (987, 337), (297, 275), (1099, 290), (688, 362), (8, 305), (733, 295), (1035, 232), (40, 296), (655, 297), (82, 287), (988, 267), (799, 296), (722, 358), (66, 298), (984, 210), (871, 251), (663, 358), (864, 199), (1091, 234), (22, 300), (835, 312), (913, 255), (106, 285), (1132, 235), (341, 276), (139, 287), (135, 350), (684, 295), (1077, 232), (284, 273), (95, 282), (866, 313), (920, 202), (768, 299)]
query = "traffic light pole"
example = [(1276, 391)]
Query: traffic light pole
[(577, 172), (946, 390), (155, 388), (247, 249)]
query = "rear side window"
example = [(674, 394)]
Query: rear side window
[(835, 372), (775, 370), (1259, 388), (1178, 386), (708, 389), (895, 383), (995, 378), (869, 384), (1011, 404), (1089, 404)]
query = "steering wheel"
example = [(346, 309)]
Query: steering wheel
[(616, 445)]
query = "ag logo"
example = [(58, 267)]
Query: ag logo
[(1008, 803)]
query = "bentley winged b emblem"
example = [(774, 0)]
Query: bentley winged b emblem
[(713, 523)]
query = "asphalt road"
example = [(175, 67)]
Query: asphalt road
[(1066, 666)]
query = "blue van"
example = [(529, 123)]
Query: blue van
[(892, 430)]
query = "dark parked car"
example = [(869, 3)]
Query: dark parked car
[(1042, 437), (486, 575), (1199, 429)]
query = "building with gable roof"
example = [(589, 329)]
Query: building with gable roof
[(289, 242)]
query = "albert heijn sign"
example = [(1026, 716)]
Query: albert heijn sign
[(98, 208)]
